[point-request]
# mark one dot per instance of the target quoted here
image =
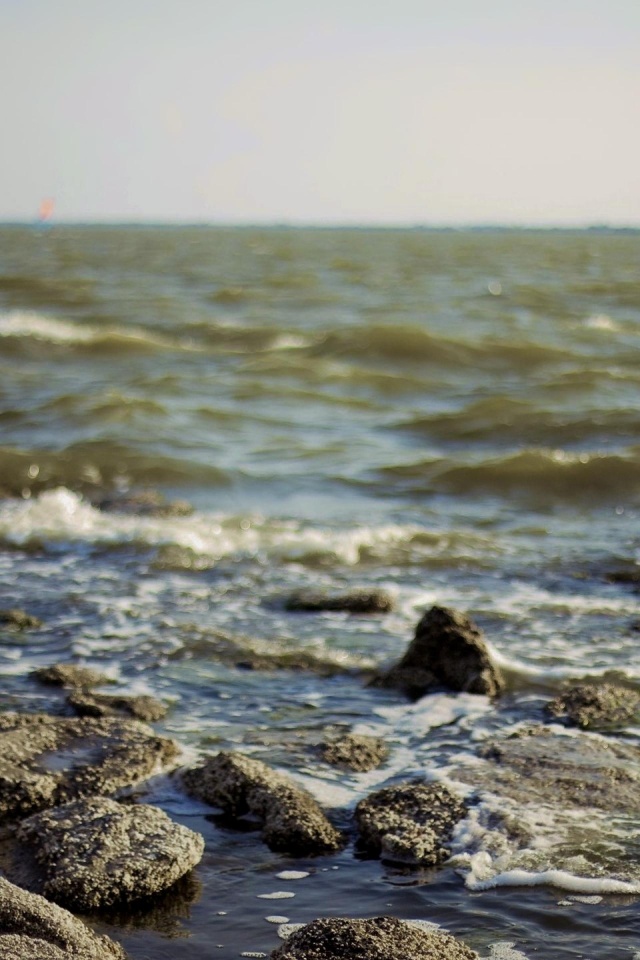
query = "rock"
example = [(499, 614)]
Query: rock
[(537, 765), (595, 705), (145, 503), (354, 601), (631, 577), (31, 928), (69, 675), (381, 938), (409, 823), (355, 752), (110, 705), (292, 821), (447, 652), (98, 853), (45, 761), (19, 619)]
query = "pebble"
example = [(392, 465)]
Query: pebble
[(292, 874), (277, 895), (280, 920)]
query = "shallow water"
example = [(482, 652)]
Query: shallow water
[(452, 416)]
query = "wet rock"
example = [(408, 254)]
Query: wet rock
[(447, 652), (145, 503), (112, 705), (409, 823), (381, 938), (355, 752), (353, 601), (45, 761), (69, 675), (631, 577), (97, 853), (31, 928), (595, 705), (18, 619), (292, 821), (537, 765)]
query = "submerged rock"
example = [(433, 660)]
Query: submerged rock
[(19, 619), (355, 752), (537, 765), (292, 821), (31, 928), (97, 853), (69, 675), (409, 823), (113, 705), (381, 938), (595, 705), (46, 760), (353, 601), (447, 652)]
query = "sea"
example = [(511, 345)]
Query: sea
[(198, 421)]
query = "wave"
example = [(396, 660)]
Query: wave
[(507, 419), (25, 325), (99, 464), (202, 539), (542, 476)]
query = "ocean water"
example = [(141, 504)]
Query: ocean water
[(450, 415)]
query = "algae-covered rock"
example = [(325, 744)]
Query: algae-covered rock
[(352, 601), (46, 760), (409, 823), (292, 821), (31, 928), (381, 938), (97, 853), (447, 652), (69, 675), (596, 706), (112, 705), (19, 619), (537, 765), (355, 752)]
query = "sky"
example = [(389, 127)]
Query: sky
[(336, 111)]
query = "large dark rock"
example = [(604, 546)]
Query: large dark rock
[(353, 601), (537, 765), (45, 761), (292, 821), (31, 928), (355, 752), (409, 823), (381, 938), (113, 705), (69, 675), (598, 706), (97, 853), (447, 652)]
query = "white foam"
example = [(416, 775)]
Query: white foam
[(276, 895), (292, 874), (40, 326), (552, 878), (505, 950)]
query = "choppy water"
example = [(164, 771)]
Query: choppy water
[(450, 415)]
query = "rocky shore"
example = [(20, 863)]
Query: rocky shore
[(66, 802)]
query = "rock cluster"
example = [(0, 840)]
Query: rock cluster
[(409, 823), (380, 938), (88, 704), (45, 761), (97, 852), (19, 619), (447, 652), (292, 821), (69, 675)]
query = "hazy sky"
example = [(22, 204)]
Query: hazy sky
[(382, 111)]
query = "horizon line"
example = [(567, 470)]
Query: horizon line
[(328, 224)]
